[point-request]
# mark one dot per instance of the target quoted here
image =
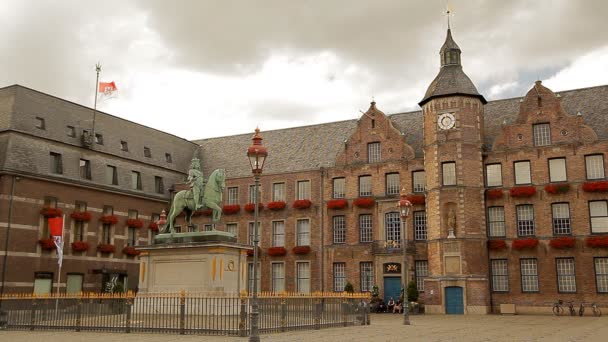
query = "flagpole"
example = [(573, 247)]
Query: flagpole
[(59, 263), (98, 70)]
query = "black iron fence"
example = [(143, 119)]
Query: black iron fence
[(182, 313)]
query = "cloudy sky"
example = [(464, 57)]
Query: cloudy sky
[(209, 68)]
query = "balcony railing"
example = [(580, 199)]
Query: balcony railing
[(392, 247)]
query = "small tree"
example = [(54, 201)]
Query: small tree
[(412, 291), (349, 288)]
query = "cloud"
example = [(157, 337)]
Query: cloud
[(586, 71)]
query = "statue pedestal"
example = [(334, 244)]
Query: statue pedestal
[(208, 263)]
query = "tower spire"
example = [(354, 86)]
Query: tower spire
[(448, 11)]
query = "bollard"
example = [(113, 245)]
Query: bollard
[(243, 317), (182, 312)]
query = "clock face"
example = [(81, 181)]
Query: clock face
[(446, 121)]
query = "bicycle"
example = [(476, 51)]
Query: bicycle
[(558, 310), (596, 310), (571, 309)]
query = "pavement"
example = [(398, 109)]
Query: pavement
[(384, 327)]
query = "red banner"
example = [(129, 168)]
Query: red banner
[(56, 226)]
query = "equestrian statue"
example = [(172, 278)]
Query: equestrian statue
[(201, 195)]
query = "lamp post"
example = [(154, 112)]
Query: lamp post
[(404, 211), (257, 156)]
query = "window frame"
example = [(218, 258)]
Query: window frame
[(557, 275), (487, 175), (603, 166), (365, 194), (597, 288), (299, 278), (592, 217), (517, 219), (124, 146), (282, 192), (56, 163), (137, 185), (532, 276), (333, 189), (339, 280), (301, 235), (168, 158), (71, 131), (278, 235), (495, 276), (392, 217), (538, 139), (339, 232), (374, 156), (306, 192), (279, 280), (229, 200), (569, 223), (515, 172), (114, 180), (366, 228), (443, 173), (419, 225), (365, 268), (147, 152), (395, 188), (84, 171), (565, 170), (40, 123), (504, 225), (159, 186), (418, 277), (414, 188)]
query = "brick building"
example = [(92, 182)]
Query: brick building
[(509, 196)]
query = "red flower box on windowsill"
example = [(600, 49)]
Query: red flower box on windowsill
[(81, 216), (276, 205), (106, 248), (47, 244), (416, 199), (130, 251), (597, 241), (109, 219), (302, 204), (135, 223), (494, 194), (277, 251), (231, 209), (523, 191), (301, 250), (153, 226), (497, 245), (337, 204), (364, 202), (250, 207), (557, 188), (250, 252), (525, 243), (51, 212), (562, 242), (80, 246), (204, 212), (600, 186)]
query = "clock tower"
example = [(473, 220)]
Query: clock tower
[(453, 138)]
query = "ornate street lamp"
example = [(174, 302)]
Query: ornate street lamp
[(257, 156), (404, 211)]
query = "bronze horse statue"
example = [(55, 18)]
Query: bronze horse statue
[(212, 199)]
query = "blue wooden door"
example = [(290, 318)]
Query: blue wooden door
[(392, 288), (453, 300)]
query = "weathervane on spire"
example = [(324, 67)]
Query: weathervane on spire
[(448, 12)]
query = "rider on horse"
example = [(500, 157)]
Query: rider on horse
[(196, 182)]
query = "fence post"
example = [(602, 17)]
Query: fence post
[(317, 313), (368, 317), (33, 314), (345, 312), (243, 316), (283, 313), (78, 313), (129, 303), (182, 312)]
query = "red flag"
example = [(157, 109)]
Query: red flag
[(107, 87), (56, 226)]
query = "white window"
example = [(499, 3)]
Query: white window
[(418, 181), (303, 232), (601, 274), (339, 276), (561, 218), (392, 184), (74, 283), (542, 134), (422, 271), (365, 228), (525, 220), (449, 173), (496, 221), (303, 190), (595, 166), (494, 175), (500, 276), (529, 275), (339, 229), (366, 276), (251, 232), (250, 278), (338, 188), (111, 175), (419, 225), (135, 180), (278, 277), (392, 227), (233, 195), (557, 170), (278, 233), (365, 186), (522, 172), (303, 277), (232, 228), (598, 212), (252, 194), (43, 283), (566, 278), (278, 192), (373, 152)]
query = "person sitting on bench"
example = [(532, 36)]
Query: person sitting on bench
[(391, 304)]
